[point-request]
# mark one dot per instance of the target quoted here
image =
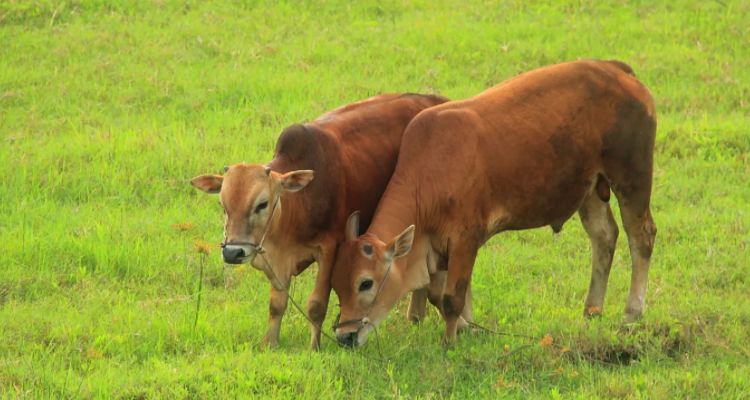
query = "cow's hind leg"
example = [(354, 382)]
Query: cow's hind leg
[(641, 230), (600, 225), (629, 165)]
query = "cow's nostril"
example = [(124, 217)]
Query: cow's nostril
[(233, 253), (348, 339)]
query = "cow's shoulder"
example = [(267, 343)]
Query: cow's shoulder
[(299, 141), (310, 147), (294, 134)]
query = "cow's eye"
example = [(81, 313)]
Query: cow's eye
[(365, 285), (262, 206)]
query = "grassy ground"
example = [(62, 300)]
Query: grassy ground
[(107, 108)]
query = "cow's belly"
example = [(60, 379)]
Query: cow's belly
[(551, 202)]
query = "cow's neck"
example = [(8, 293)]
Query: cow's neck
[(289, 202), (397, 211), (305, 212), (413, 267)]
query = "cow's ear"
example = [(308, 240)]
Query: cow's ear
[(401, 244), (296, 180), (208, 183), (352, 226)]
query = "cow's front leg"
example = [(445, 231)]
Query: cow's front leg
[(435, 294), (317, 303), (417, 306), (276, 308), (460, 267)]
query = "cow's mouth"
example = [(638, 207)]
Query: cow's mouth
[(239, 260), (354, 339), (350, 340), (236, 254)]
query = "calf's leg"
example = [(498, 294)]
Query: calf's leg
[(641, 230), (461, 260), (317, 302), (600, 225), (435, 291), (628, 159), (468, 313), (276, 308), (417, 305), (629, 166)]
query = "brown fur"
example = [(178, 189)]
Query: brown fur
[(524, 154), (352, 151)]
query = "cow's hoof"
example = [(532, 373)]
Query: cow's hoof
[(632, 317), (633, 311), (448, 341), (269, 343)]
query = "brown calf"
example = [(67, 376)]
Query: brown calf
[(352, 151), (526, 153)]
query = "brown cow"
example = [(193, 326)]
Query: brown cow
[(526, 153), (353, 151)]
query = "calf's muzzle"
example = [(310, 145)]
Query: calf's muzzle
[(348, 339), (233, 254)]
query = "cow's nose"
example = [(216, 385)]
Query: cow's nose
[(232, 254), (348, 339)]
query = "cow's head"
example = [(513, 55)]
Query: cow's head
[(358, 279), (247, 194)]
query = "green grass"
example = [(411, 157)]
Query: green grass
[(108, 108)]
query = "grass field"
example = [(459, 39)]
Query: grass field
[(107, 108)]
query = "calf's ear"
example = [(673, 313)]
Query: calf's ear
[(401, 244), (208, 183), (352, 226), (296, 180)]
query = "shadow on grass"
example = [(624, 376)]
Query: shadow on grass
[(632, 343)]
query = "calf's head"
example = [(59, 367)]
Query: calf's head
[(359, 280), (248, 194)]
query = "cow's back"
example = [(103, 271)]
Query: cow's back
[(353, 151), (532, 146), (369, 134)]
